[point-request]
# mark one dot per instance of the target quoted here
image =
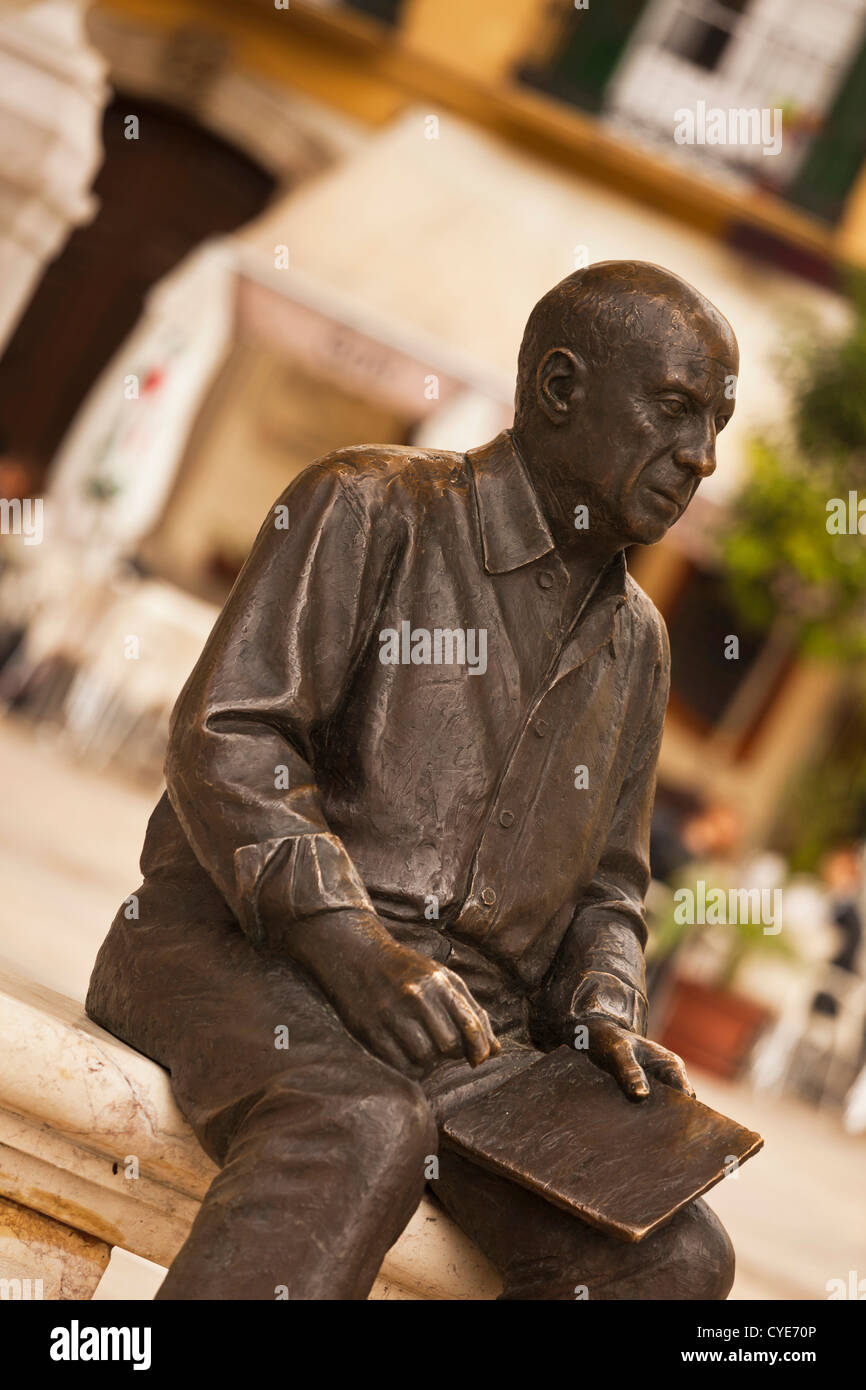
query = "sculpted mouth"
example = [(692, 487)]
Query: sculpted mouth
[(671, 497)]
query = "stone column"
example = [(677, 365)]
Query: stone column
[(52, 95)]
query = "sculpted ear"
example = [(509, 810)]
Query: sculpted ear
[(560, 382)]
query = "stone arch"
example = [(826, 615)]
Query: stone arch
[(164, 187), (196, 70)]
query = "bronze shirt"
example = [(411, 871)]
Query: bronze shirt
[(307, 773)]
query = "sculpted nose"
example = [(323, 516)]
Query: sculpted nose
[(698, 454)]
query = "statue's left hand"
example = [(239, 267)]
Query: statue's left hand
[(629, 1058)]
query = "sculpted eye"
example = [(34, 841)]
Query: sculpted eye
[(672, 405)]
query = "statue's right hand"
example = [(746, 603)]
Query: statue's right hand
[(412, 1012), (409, 1010)]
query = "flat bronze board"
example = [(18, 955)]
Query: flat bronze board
[(564, 1129)]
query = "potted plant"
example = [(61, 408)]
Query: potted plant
[(701, 939)]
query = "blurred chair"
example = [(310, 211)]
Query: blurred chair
[(129, 671), (812, 1051), (51, 599)]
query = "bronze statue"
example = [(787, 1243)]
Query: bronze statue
[(406, 825)]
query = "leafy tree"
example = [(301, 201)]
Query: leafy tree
[(782, 554), (783, 565)]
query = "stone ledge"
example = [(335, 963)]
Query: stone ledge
[(41, 1258), (76, 1103)]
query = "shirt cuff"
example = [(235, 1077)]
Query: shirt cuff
[(602, 995), (281, 880)]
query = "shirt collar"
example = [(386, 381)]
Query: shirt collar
[(513, 529)]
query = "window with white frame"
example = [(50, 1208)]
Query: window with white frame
[(720, 59)]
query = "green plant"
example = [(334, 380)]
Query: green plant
[(670, 932), (825, 804), (781, 560)]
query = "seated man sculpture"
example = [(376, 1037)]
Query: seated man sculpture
[(404, 843)]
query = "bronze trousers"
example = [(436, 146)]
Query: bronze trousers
[(323, 1148)]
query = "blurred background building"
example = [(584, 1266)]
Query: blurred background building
[(236, 235)]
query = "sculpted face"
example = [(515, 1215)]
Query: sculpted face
[(635, 437), (652, 419)]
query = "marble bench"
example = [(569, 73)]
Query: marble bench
[(94, 1154)]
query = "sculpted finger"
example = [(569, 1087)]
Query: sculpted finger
[(669, 1067), (432, 998), (622, 1062), (474, 1026), (441, 1027), (414, 1040), (389, 1051), (458, 988)]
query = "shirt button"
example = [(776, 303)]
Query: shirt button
[(545, 579), (506, 818), (488, 897), (541, 727)]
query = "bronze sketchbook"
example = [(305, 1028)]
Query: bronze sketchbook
[(564, 1129)]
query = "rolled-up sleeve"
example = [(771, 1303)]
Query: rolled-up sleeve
[(240, 763), (604, 947)]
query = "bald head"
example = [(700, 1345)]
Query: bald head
[(627, 375), (598, 312)]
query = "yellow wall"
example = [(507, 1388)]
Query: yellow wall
[(483, 39), (456, 56)]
